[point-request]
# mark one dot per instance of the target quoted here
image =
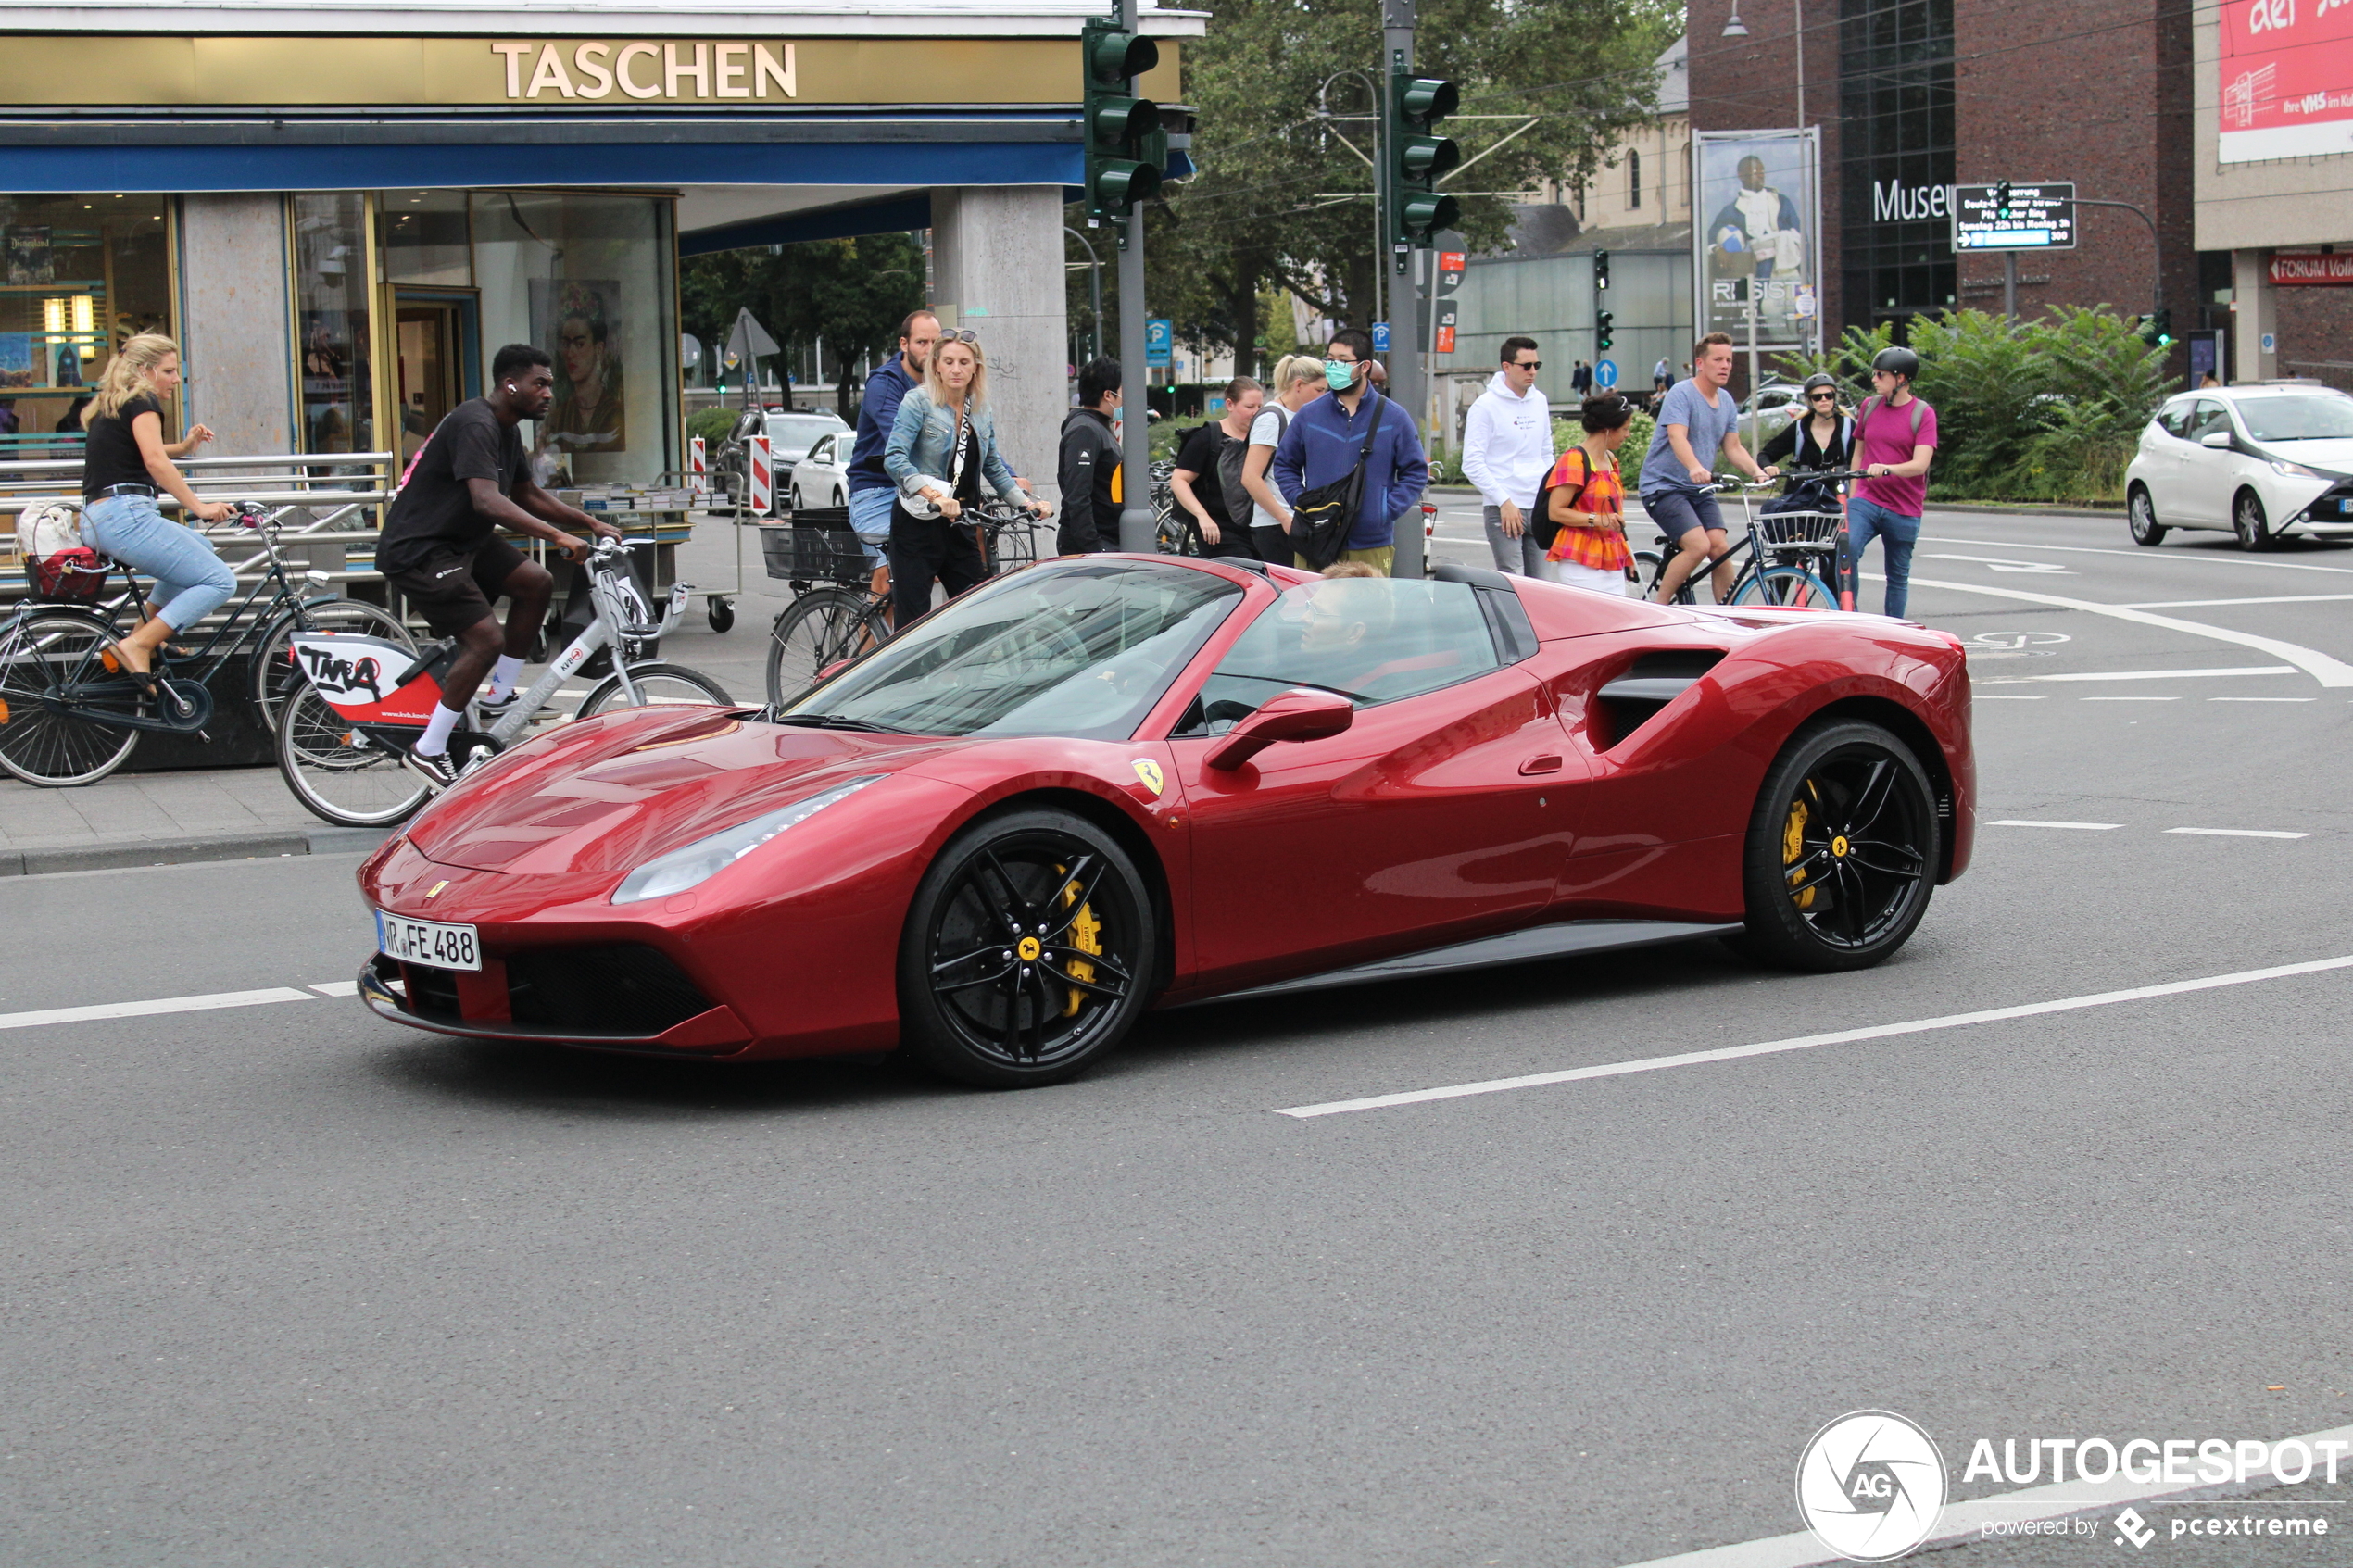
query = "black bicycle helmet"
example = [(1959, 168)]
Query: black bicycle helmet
[(1898, 362), (1822, 378)]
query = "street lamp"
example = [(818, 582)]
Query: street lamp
[(1736, 28), (1380, 231), (1094, 285)]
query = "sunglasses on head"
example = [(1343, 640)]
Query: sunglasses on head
[(962, 334)]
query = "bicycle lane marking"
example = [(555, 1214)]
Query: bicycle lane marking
[(2320, 666), (1806, 1042), (210, 1003)]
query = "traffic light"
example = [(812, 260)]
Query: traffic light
[(1601, 269), (1418, 155), (1602, 339), (2002, 199), (2157, 329), (1120, 127)]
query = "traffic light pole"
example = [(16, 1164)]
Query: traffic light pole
[(1404, 335), (1135, 439)]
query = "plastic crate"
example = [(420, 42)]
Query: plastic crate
[(797, 554)]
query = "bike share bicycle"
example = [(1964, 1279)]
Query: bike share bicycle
[(70, 713), (362, 701)]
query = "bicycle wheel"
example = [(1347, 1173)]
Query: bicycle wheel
[(658, 686), (46, 659), (275, 674), (820, 628), (340, 776), (1789, 588), (1648, 566)]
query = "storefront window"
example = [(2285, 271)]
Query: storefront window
[(79, 275), (426, 240), (588, 278), (331, 309)]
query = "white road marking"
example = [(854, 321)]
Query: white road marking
[(1807, 1042), (337, 987), (2240, 833), (2138, 675), (2202, 558), (2128, 700), (2320, 666), (2031, 823), (2037, 697), (2041, 566), (1967, 1521), (2274, 599), (148, 1009), (2262, 699)]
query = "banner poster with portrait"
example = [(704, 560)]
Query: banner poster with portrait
[(578, 322), (1756, 221)]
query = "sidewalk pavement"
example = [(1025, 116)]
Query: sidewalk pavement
[(157, 819)]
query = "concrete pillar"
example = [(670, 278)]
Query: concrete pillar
[(997, 259), (2255, 316), (233, 321)]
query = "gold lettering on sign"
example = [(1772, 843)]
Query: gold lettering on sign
[(628, 82), (672, 70), (725, 70)]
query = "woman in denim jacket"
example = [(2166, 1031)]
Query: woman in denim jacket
[(941, 445)]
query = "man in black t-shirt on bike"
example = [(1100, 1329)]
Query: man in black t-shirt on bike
[(441, 549)]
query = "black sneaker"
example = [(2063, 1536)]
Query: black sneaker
[(435, 770)]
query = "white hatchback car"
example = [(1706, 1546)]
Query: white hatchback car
[(2259, 460), (822, 477)]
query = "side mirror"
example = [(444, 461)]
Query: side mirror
[(1298, 714), (2219, 439)]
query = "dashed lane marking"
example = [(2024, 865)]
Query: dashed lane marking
[(2031, 823), (2262, 699), (2129, 699), (1808, 1042), (2200, 558), (337, 987), (2320, 666), (2240, 833), (2136, 675), (210, 1003)]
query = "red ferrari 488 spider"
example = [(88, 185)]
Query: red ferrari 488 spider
[(1110, 783)]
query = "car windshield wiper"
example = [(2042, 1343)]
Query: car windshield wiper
[(1283, 680), (842, 722)]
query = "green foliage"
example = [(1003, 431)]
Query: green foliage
[(2041, 410), (713, 424), (1568, 431), (852, 292)]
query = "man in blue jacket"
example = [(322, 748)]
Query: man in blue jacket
[(870, 491), (1323, 438)]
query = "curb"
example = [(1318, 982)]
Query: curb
[(100, 855)]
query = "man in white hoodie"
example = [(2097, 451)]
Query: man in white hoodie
[(1507, 451)]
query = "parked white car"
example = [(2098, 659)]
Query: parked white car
[(2260, 461), (822, 477)]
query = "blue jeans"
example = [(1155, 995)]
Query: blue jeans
[(870, 520), (1866, 520), (191, 581)]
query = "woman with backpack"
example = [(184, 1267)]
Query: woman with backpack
[(1581, 509), (942, 442), (1297, 381), (1196, 484)]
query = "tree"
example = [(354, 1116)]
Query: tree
[(851, 293), (1283, 195)]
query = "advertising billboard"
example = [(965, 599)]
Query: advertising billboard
[(2286, 81), (1756, 206)]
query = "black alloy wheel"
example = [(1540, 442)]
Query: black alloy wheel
[(2254, 530), (2140, 516), (1843, 849), (1028, 952)]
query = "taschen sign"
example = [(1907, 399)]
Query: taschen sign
[(2292, 269)]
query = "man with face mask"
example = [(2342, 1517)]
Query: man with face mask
[(1324, 440)]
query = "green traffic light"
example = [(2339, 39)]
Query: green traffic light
[(1120, 184), (1423, 213), (1116, 123), (1423, 99)]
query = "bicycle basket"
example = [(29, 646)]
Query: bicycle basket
[(814, 555), (1784, 531), (57, 565)]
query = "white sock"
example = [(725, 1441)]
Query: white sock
[(502, 677), (434, 742)]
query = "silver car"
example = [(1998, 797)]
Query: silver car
[(2260, 461)]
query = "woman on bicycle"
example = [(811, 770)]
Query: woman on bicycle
[(126, 463), (941, 444), (1584, 497)]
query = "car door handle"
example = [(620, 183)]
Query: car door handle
[(1541, 765)]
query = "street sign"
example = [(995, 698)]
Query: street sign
[(1450, 272), (1604, 373), (1442, 337), (1381, 337), (2038, 217), (1160, 340)]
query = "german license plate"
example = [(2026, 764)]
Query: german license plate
[(430, 943)]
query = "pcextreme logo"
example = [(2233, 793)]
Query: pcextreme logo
[(1871, 1486)]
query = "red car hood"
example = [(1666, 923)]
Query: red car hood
[(608, 795)]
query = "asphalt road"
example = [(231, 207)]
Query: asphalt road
[(290, 1286)]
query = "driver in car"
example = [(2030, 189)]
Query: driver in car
[(440, 546)]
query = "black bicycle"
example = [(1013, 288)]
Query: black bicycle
[(70, 711), (1787, 552)]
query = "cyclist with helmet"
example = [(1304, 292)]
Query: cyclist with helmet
[(1894, 442), (1823, 437)]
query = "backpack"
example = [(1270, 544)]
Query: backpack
[(1240, 504), (57, 565), (1863, 414)]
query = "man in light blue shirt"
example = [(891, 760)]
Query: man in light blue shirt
[(1697, 417)]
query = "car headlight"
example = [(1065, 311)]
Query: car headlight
[(2286, 470), (706, 858)]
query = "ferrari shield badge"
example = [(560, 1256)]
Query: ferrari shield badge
[(1147, 771)]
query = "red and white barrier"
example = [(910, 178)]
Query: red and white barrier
[(698, 468), (762, 473)]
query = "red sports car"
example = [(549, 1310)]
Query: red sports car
[(1110, 783)]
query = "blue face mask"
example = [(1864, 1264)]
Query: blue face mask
[(1338, 373)]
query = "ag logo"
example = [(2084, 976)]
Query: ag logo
[(1871, 1486), (1149, 772)]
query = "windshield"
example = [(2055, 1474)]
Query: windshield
[(2320, 417), (1080, 649), (802, 431)]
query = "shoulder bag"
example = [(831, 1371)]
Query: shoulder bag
[(1323, 516)]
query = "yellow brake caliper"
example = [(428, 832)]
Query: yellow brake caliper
[(1792, 848), (1087, 935)]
